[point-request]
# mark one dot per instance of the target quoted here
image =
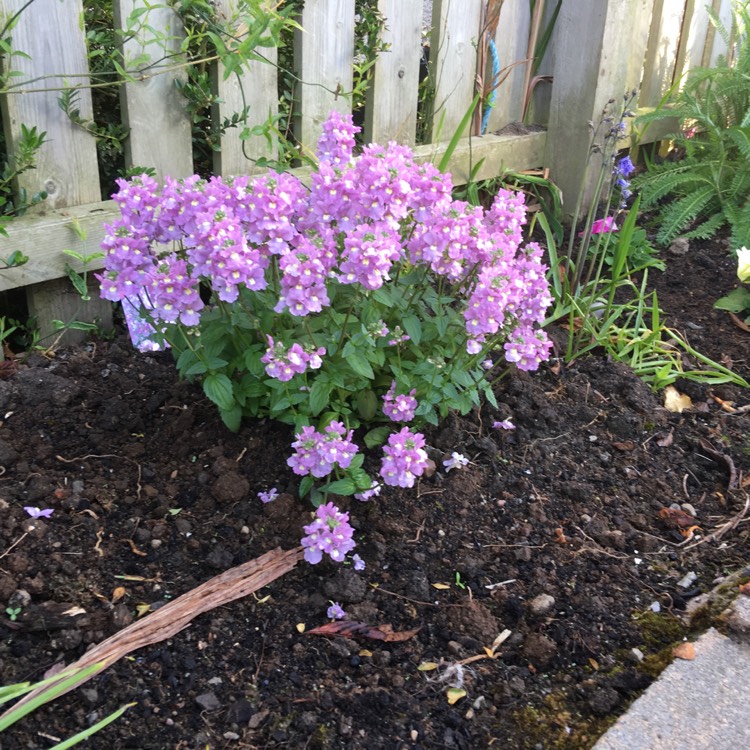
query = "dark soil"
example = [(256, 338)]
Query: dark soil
[(553, 532)]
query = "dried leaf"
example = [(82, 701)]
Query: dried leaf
[(365, 652), (118, 593), (676, 401), (745, 588), (594, 664), (74, 610), (142, 609), (353, 629), (300, 627), (684, 651), (441, 586), (627, 445), (427, 666), (455, 694), (665, 440), (678, 517)]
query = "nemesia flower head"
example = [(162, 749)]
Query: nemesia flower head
[(456, 461), (374, 491), (335, 612), (318, 453), (330, 534), (506, 424), (358, 562), (268, 497), (399, 408), (38, 512), (405, 458)]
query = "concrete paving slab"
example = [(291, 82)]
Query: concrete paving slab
[(694, 705)]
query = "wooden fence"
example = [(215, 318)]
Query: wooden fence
[(599, 49)]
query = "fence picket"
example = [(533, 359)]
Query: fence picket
[(511, 42), (455, 30), (663, 44), (391, 112), (153, 108), (66, 163), (324, 55), (254, 87)]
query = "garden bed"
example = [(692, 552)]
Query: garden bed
[(553, 532)]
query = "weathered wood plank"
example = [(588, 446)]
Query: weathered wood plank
[(391, 112), (453, 62), (253, 87), (511, 41), (66, 164), (661, 53), (152, 106), (587, 76), (323, 56), (42, 237), (715, 45)]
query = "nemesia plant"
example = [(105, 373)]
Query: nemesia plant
[(367, 297)]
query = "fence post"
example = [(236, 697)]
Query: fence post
[(391, 111), (49, 34), (599, 51), (323, 60), (152, 105), (253, 86), (453, 63)]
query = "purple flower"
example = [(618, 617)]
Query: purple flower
[(335, 611), (404, 459), (358, 562), (625, 166), (330, 533), (506, 424), (270, 496), (374, 491), (37, 512), (456, 461), (399, 408)]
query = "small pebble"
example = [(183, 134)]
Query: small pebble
[(687, 580)]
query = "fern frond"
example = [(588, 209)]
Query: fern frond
[(681, 177), (740, 137), (679, 214), (708, 228)]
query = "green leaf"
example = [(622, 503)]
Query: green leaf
[(367, 404), (358, 362), (320, 395), (356, 462), (306, 485), (77, 280), (197, 368), (341, 487), (737, 301), (378, 436), (232, 417), (218, 387), (413, 326)]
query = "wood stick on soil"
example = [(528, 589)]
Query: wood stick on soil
[(170, 619)]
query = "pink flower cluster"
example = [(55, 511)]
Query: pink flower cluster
[(330, 534), (405, 458), (356, 220), (317, 453), (399, 408), (284, 363)]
